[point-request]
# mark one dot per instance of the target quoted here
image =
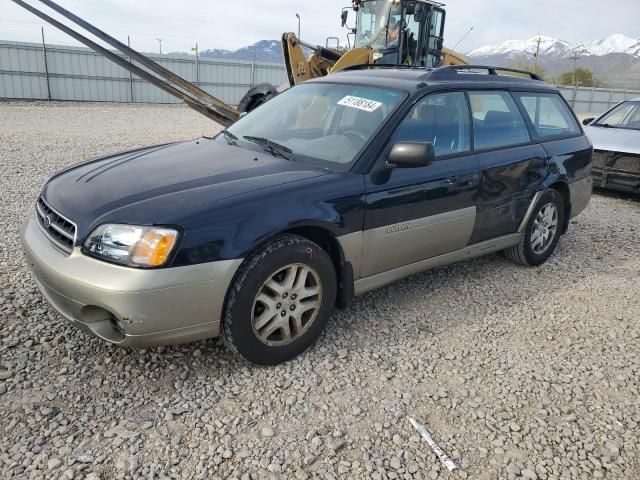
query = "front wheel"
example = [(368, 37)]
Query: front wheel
[(542, 232), (280, 301)]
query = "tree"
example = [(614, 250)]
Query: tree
[(580, 77)]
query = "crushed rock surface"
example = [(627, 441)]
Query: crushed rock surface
[(517, 372)]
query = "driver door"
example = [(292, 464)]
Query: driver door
[(413, 214)]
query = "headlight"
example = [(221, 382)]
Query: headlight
[(131, 245)]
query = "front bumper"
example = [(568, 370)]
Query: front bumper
[(128, 306), (616, 180)]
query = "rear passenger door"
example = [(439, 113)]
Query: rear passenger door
[(512, 167)]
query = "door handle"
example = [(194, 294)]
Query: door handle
[(466, 181), (463, 181)]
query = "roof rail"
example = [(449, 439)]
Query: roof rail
[(490, 70)]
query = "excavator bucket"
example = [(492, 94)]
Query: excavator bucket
[(153, 72)]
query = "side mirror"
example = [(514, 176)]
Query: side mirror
[(587, 121), (411, 155), (344, 17)]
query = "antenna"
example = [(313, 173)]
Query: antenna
[(463, 37)]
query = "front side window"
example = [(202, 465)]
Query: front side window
[(549, 115), (625, 115), (497, 121), (441, 119), (320, 124)]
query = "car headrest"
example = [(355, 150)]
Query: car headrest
[(495, 118)]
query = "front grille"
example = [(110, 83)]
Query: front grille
[(59, 230), (619, 161)]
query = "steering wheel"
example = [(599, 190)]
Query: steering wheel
[(354, 136)]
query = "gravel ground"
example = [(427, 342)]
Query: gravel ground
[(518, 373)]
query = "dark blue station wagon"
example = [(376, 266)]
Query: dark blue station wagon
[(336, 187)]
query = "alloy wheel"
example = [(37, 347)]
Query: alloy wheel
[(544, 229), (286, 305)]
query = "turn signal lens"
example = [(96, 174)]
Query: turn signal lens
[(153, 249)]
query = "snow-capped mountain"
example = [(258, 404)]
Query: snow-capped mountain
[(555, 48), (614, 59), (614, 44), (264, 51), (548, 47)]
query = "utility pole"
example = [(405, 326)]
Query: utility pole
[(197, 64), (160, 42), (574, 58), (298, 16), (535, 57)]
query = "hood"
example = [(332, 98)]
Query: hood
[(145, 186), (614, 139)]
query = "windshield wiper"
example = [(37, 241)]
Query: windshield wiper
[(276, 149), (229, 137)]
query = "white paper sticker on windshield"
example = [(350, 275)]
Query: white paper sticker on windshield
[(360, 103)]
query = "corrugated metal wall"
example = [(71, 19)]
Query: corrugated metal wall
[(81, 74), (595, 100)]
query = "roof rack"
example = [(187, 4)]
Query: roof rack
[(490, 70)]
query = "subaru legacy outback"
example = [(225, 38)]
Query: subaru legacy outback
[(334, 188)]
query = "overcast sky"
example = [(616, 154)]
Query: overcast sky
[(237, 23)]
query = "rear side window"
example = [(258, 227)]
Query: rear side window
[(497, 121), (549, 115)]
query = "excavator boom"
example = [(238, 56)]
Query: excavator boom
[(154, 73)]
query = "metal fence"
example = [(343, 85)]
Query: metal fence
[(51, 72), (595, 100)]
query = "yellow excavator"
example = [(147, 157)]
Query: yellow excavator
[(390, 32)]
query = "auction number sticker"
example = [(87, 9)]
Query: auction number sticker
[(360, 103)]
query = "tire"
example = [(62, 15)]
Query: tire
[(529, 251), (254, 308), (257, 96)]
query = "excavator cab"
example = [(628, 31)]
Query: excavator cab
[(389, 32), (400, 32)]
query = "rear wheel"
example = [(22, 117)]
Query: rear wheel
[(280, 301), (542, 232)]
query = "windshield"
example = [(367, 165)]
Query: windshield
[(319, 124), (625, 115), (378, 24)]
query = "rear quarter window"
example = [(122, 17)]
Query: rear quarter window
[(549, 115)]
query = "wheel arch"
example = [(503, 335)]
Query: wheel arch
[(327, 240)]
